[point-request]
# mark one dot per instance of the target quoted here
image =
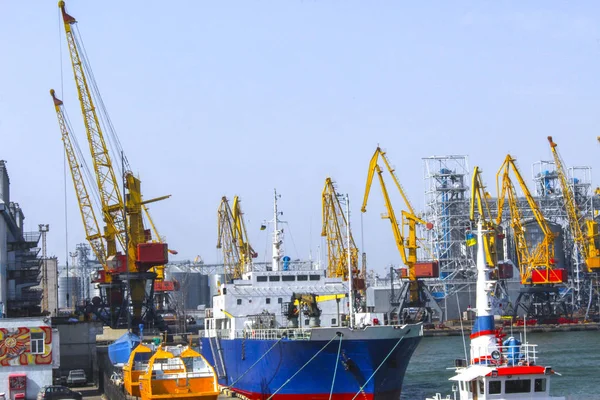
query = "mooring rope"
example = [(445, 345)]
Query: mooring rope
[(257, 361), (374, 372), (337, 361), (301, 368)]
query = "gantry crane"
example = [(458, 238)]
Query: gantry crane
[(540, 277), (122, 215), (584, 231), (335, 229), (233, 239), (417, 294)]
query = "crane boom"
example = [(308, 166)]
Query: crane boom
[(334, 230), (108, 186), (245, 250), (233, 239), (586, 242), (408, 250), (539, 261), (392, 171), (479, 197), (122, 213), (88, 216)]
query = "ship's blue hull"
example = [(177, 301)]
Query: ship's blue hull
[(358, 360)]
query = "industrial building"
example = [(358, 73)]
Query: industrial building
[(20, 262), (32, 352)]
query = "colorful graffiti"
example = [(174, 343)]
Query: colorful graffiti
[(17, 347)]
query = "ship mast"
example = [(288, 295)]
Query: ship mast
[(350, 272), (277, 236), (482, 301)]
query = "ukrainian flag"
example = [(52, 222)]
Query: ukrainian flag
[(471, 239)]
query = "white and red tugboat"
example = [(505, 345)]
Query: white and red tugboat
[(500, 369)]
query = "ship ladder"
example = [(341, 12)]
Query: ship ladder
[(217, 353), (361, 390), (338, 334)]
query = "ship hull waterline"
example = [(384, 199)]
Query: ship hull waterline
[(359, 357)]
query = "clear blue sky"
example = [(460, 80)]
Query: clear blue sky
[(214, 98)]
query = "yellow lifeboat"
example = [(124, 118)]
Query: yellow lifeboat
[(137, 364), (176, 372)]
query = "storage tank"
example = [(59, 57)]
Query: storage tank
[(534, 235), (69, 285), (193, 286)]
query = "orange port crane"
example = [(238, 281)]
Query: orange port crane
[(122, 215), (537, 265), (584, 231), (407, 247), (335, 229), (233, 239)]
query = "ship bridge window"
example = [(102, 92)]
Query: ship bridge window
[(239, 301), (274, 278), (495, 387), (315, 277), (517, 386), (261, 278), (268, 300), (279, 300), (302, 277), (540, 385), (288, 278)]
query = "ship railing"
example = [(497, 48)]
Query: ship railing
[(273, 334), (517, 354)]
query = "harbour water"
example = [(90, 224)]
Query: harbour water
[(575, 355)]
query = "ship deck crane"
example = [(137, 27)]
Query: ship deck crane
[(308, 304), (540, 277), (584, 231), (122, 215), (407, 247)]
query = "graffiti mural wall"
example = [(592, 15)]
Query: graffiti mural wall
[(25, 346)]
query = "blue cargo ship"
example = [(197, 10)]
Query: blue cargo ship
[(286, 331)]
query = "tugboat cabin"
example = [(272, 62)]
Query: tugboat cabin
[(479, 382)]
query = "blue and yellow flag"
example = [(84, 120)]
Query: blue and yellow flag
[(471, 239)]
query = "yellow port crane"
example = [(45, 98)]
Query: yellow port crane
[(479, 198), (537, 265), (407, 248), (335, 231), (88, 215), (123, 219), (584, 232), (233, 239)]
